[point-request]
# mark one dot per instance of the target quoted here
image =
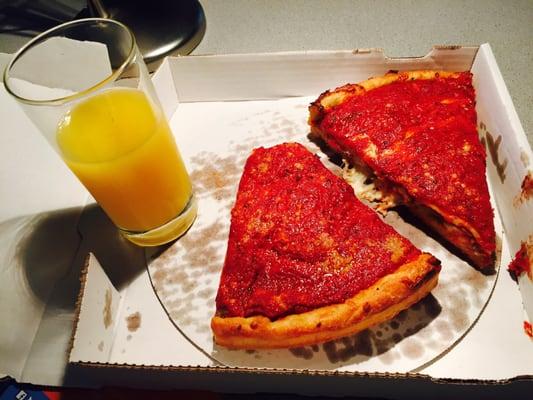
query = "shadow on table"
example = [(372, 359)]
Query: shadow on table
[(121, 260), (41, 258), (50, 249)]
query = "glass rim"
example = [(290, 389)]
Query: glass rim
[(65, 99)]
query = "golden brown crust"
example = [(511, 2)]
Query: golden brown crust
[(380, 302)]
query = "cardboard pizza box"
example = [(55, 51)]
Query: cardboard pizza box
[(142, 317)]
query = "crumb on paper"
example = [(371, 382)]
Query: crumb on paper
[(108, 317), (133, 321), (523, 260), (526, 191), (101, 346), (528, 329)]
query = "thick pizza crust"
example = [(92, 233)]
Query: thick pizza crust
[(460, 234), (457, 231), (380, 302)]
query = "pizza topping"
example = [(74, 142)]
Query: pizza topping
[(421, 135), (300, 239), (367, 190)]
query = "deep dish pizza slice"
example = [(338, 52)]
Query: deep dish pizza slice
[(306, 261), (415, 133)]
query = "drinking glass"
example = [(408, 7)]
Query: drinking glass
[(85, 86)]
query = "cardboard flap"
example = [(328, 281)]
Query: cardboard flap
[(165, 89), (290, 74), (96, 317), (508, 151), (508, 158)]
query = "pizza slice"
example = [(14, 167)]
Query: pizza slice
[(415, 134), (307, 262)]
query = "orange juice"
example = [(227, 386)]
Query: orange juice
[(122, 150)]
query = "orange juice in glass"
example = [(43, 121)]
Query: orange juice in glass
[(114, 137)]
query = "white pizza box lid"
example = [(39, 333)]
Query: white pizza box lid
[(122, 333)]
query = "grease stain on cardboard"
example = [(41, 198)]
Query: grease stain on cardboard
[(108, 316), (133, 321), (493, 146), (524, 158)]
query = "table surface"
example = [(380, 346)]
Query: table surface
[(401, 28)]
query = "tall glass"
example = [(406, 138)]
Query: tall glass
[(85, 86)]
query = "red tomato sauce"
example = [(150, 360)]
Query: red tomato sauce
[(300, 239), (422, 135)]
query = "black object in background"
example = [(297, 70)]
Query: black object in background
[(161, 27)]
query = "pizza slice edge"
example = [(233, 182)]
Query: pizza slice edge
[(380, 302)]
